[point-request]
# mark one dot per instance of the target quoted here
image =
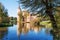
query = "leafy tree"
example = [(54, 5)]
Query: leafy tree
[(42, 6), (3, 14), (3, 11)]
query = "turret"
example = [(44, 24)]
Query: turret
[(19, 10)]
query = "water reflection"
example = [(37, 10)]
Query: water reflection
[(28, 29), (17, 32), (25, 29), (56, 34), (3, 32)]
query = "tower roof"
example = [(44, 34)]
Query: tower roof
[(19, 10)]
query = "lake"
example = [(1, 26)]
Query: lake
[(11, 33)]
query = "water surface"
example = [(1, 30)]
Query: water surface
[(10, 33)]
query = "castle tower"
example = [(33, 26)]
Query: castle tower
[(19, 18)]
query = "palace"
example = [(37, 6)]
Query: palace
[(25, 18)]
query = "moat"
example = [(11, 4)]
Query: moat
[(10, 33)]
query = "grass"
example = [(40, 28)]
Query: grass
[(46, 23)]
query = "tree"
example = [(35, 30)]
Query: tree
[(3, 14), (57, 17), (42, 6), (3, 11)]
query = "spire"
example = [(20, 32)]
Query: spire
[(19, 9)]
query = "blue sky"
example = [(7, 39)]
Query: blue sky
[(11, 5)]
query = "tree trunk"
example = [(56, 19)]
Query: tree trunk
[(54, 25), (49, 12)]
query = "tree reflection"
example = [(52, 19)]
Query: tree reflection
[(56, 34), (3, 32)]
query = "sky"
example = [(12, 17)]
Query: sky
[(12, 6)]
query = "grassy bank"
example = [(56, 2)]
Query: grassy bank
[(47, 24)]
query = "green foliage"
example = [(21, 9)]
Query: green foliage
[(3, 14), (3, 11), (57, 17), (13, 20), (38, 5)]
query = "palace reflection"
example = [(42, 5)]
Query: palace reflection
[(26, 28)]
